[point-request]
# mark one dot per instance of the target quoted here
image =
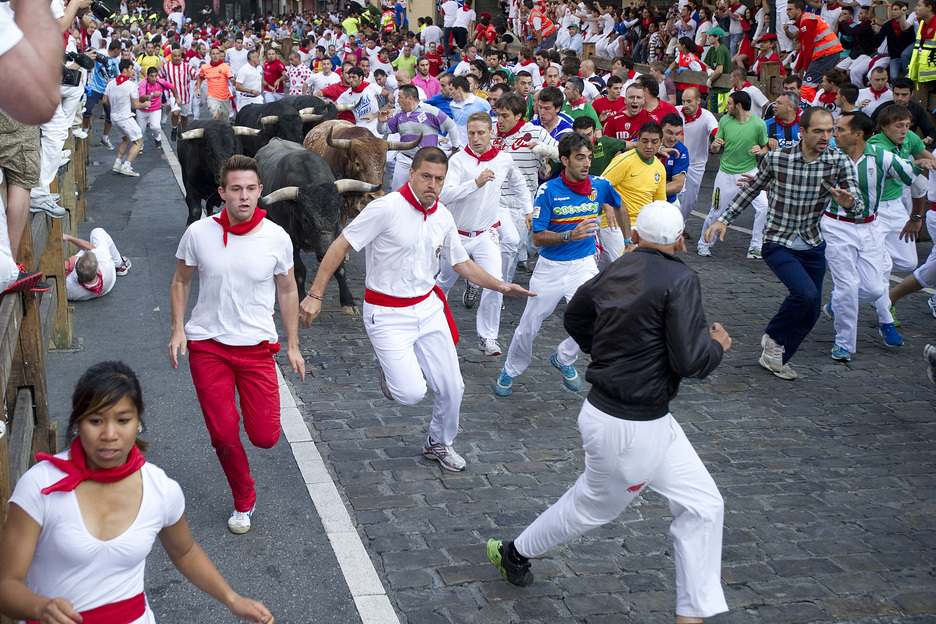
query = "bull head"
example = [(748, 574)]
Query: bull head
[(399, 145), (286, 193), (308, 114), (197, 133)]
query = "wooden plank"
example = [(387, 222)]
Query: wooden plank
[(39, 230), (52, 264), (22, 428), (11, 317), (28, 368), (6, 487), (588, 51), (47, 309)]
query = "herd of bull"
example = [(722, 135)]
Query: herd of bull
[(317, 171)]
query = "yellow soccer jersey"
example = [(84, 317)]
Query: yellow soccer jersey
[(637, 181)]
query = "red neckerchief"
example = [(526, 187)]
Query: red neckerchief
[(98, 286), (735, 7), (410, 197), (832, 6), (747, 83), (690, 118), (76, 468), (213, 64), (504, 135), (878, 94), (360, 88), (828, 98), (486, 156), (122, 79), (578, 102), (466, 9), (303, 50), (581, 188), (241, 228), (525, 63), (631, 73), (791, 124)]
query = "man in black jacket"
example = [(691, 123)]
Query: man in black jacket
[(644, 335)]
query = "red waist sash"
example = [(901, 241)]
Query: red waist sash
[(375, 298), (122, 612)]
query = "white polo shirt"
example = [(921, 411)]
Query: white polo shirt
[(475, 209)]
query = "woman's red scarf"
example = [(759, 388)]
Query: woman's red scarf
[(581, 188), (76, 469), (486, 156), (241, 228), (410, 197)]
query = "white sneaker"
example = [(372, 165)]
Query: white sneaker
[(772, 357), (118, 165), (127, 170), (239, 522), (931, 302), (446, 455), (66, 154), (704, 251), (80, 133), (106, 142), (489, 346)]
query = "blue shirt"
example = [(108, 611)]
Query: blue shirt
[(399, 15), (442, 103), (676, 164), (787, 136), (564, 125), (558, 209), (102, 74)]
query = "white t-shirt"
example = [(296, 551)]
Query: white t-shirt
[(177, 18), (367, 104), (73, 288), (462, 68), (319, 81), (464, 18), (119, 97), (236, 59), (249, 77), (431, 34), (735, 27), (378, 64), (696, 135), (236, 289), (865, 94), (449, 11), (475, 209), (72, 563), (401, 248)]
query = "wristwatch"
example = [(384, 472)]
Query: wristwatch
[(916, 217), (566, 236)]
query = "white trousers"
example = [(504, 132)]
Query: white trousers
[(621, 458), (508, 236), (926, 272), (9, 272), (611, 245), (551, 281), (690, 190), (726, 188), (855, 257), (54, 132), (413, 342), (154, 119), (484, 250), (401, 170), (901, 255)]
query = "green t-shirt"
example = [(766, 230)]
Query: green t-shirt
[(585, 111), (529, 114), (404, 63), (715, 58), (606, 148), (350, 25), (739, 139), (913, 144)]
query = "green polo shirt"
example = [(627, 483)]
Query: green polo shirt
[(606, 148), (913, 144)]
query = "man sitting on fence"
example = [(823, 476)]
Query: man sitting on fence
[(92, 272)]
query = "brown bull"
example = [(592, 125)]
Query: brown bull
[(353, 153)]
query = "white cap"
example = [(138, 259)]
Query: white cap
[(659, 222)]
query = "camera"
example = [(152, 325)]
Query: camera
[(84, 61), (101, 10)]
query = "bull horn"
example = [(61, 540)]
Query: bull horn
[(346, 107), (309, 114), (344, 144), (399, 145), (245, 131), (284, 194), (356, 186), (269, 119), (197, 133)]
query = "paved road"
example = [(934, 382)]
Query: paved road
[(828, 480)]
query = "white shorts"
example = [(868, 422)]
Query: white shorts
[(129, 128)]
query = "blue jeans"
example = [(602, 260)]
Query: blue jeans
[(905, 57), (802, 273)]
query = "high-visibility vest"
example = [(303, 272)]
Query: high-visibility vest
[(826, 41), (923, 62), (549, 27)]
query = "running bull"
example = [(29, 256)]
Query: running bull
[(275, 119)]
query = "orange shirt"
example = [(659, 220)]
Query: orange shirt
[(217, 78)]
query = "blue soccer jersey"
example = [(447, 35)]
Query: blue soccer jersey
[(675, 165), (558, 209)]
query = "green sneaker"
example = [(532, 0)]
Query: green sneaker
[(515, 574)]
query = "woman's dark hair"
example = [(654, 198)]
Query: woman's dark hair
[(100, 387), (484, 80), (689, 44)]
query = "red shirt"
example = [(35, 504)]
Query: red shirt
[(663, 108), (603, 104), (623, 126), (435, 62), (272, 72)]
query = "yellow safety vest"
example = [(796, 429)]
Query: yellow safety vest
[(923, 62)]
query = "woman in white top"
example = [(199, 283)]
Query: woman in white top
[(81, 523)]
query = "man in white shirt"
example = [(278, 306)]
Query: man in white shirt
[(877, 94), (383, 62), (450, 10), (404, 235), (93, 271), (365, 96), (472, 193), (248, 81), (123, 96), (430, 34), (176, 17), (322, 79), (698, 125), (464, 24), (236, 57), (740, 82), (470, 54), (244, 263)]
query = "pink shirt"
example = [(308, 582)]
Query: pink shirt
[(157, 88), (429, 85)]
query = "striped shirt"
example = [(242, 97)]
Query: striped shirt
[(517, 144), (182, 77), (786, 135), (874, 167), (798, 193), (426, 120)]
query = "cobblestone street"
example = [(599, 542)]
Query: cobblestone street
[(828, 480)]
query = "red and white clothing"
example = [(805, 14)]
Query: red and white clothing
[(402, 249), (320, 80), (366, 97), (875, 99), (108, 260), (698, 130), (231, 338), (298, 75), (182, 77), (72, 563), (624, 126)]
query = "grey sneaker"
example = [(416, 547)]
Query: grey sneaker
[(489, 346), (106, 142), (772, 357), (446, 455), (929, 353), (48, 206)]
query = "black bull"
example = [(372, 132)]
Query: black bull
[(303, 197), (280, 120)]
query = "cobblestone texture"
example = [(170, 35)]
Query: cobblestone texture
[(828, 480)]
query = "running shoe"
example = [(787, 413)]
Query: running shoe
[(827, 312), (704, 251), (772, 356), (929, 353), (839, 354), (118, 165), (159, 145), (48, 206), (124, 267), (106, 142), (570, 377), (174, 135), (889, 333), (931, 304), (445, 454), (489, 346), (499, 554), (239, 522), (127, 170), (471, 294), (504, 384), (80, 133), (786, 372), (26, 280), (754, 253)]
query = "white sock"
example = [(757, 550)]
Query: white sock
[(117, 161)]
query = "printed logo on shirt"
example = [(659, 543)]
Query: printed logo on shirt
[(593, 194), (421, 117), (438, 252), (536, 212), (656, 177)]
